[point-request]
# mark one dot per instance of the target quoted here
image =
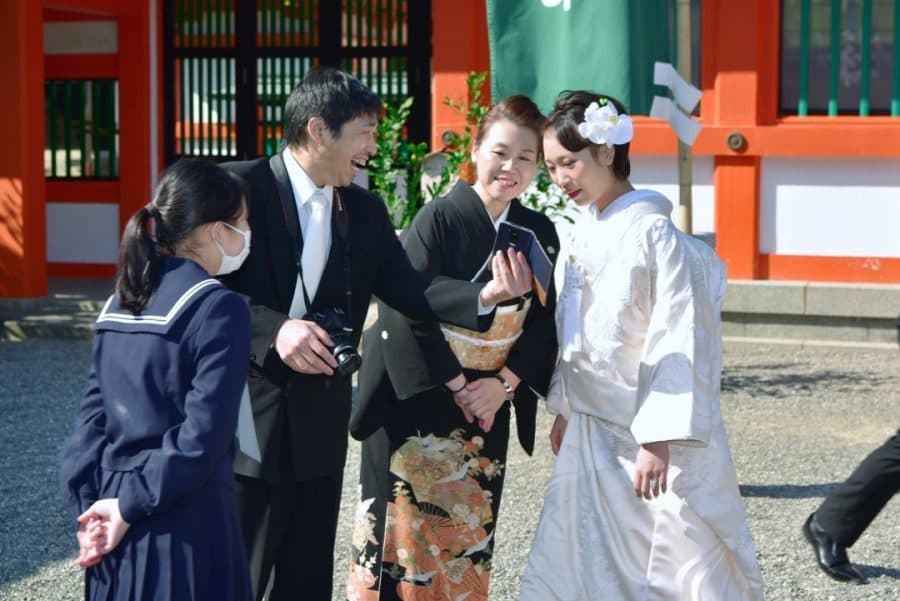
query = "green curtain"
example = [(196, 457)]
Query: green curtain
[(542, 47)]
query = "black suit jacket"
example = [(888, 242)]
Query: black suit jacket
[(301, 420)]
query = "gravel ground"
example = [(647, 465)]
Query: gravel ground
[(799, 422)]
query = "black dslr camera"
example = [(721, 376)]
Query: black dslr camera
[(333, 322)]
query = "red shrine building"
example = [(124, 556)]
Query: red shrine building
[(796, 168)]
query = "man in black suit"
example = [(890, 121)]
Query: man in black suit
[(320, 244), (846, 513)]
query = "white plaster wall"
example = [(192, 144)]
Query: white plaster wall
[(82, 232), (81, 37), (830, 207), (660, 173)]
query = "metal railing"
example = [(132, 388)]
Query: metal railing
[(840, 57), (82, 129), (233, 64)]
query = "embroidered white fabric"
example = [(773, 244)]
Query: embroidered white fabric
[(640, 339)]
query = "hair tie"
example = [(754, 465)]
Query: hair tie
[(604, 124), (156, 224)]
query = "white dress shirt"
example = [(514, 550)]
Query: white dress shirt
[(303, 188)]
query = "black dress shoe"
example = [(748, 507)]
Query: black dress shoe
[(830, 554)]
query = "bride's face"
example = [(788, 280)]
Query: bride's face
[(584, 178), (505, 161)]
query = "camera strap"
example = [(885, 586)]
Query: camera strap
[(340, 216)]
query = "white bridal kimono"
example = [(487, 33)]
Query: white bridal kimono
[(640, 340)]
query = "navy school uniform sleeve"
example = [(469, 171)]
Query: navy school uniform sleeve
[(192, 449), (79, 466)]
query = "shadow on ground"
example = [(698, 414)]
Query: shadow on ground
[(788, 491), (788, 379), (878, 571)]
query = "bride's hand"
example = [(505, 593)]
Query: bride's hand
[(650, 469), (557, 432)]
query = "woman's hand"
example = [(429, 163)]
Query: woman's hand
[(106, 511), (512, 278), (460, 396), (650, 469), (556, 433), (486, 396)]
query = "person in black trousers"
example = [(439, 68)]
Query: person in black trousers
[(321, 248), (845, 514)]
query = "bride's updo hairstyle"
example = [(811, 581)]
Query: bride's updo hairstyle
[(568, 112)]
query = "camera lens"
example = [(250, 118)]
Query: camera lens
[(347, 358)]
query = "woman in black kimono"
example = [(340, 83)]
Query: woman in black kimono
[(436, 399), (147, 471)]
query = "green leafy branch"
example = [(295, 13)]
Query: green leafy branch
[(458, 145), (397, 159)]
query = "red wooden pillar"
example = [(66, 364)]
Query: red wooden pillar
[(460, 45), (23, 245), (740, 58), (134, 108)]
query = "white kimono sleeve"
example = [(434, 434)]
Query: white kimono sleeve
[(557, 403), (675, 391)]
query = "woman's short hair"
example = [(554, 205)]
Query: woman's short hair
[(518, 109)]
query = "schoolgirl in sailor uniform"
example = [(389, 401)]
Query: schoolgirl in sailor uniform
[(148, 468)]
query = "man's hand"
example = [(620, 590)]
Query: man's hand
[(556, 433), (305, 347), (512, 278)]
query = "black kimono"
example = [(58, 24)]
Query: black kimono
[(430, 481)]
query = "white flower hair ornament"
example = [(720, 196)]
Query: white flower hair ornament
[(604, 125)]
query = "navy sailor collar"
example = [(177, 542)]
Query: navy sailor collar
[(182, 283)]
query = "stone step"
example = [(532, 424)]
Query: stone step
[(810, 313), (865, 315)]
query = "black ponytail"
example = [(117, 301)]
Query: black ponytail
[(138, 262), (190, 193)]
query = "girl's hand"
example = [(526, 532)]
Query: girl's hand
[(91, 537), (650, 469), (107, 511)]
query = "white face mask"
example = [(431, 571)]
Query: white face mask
[(233, 262)]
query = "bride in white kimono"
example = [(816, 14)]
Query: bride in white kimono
[(643, 502)]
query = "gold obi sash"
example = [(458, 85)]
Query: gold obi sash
[(487, 351)]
